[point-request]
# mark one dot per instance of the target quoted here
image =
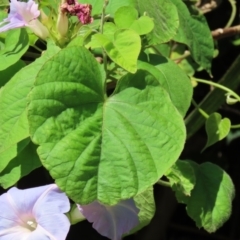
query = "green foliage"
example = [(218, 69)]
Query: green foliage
[(7, 74), (145, 202), (127, 17), (172, 79), (123, 49), (106, 109), (216, 128), (182, 178), (13, 103), (165, 17), (209, 203), (25, 161), (194, 32), (16, 44), (75, 112)]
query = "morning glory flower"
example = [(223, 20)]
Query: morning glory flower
[(34, 214), (24, 14), (112, 221)]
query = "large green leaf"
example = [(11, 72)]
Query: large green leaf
[(216, 128), (11, 152), (8, 73), (165, 17), (172, 79), (124, 49), (210, 202), (98, 148), (195, 33), (26, 161), (16, 44), (13, 102)]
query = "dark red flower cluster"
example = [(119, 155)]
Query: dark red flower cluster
[(82, 11)]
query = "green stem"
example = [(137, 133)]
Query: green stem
[(214, 99), (233, 14), (185, 55), (164, 183), (32, 55), (37, 48), (235, 126), (101, 31), (217, 85), (204, 114)]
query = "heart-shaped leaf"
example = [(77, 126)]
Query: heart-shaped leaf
[(124, 49), (127, 17), (216, 128), (86, 139), (210, 202)]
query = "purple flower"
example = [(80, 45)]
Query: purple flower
[(34, 214), (112, 221), (24, 14)]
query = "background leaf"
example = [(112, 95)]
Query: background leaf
[(210, 202), (124, 49), (195, 33), (172, 79), (165, 17), (127, 17), (87, 140), (13, 102), (182, 178), (20, 166), (114, 5), (146, 203), (16, 44), (216, 128)]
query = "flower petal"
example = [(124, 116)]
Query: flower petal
[(27, 10), (12, 25), (112, 221), (57, 225)]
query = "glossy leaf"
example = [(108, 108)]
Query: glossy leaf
[(172, 79), (16, 44), (216, 128), (210, 202), (124, 49), (13, 102), (195, 33), (165, 17), (87, 140)]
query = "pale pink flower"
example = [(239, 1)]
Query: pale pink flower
[(112, 221), (24, 14), (34, 214)]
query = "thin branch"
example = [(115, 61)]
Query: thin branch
[(225, 32)]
